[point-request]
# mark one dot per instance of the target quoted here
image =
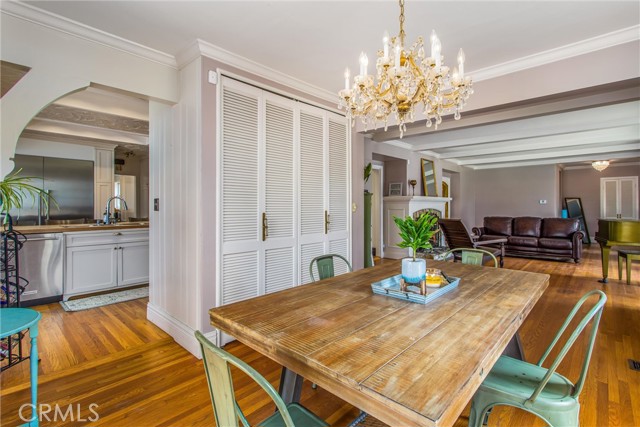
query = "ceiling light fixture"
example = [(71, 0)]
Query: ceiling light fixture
[(406, 78), (600, 165)]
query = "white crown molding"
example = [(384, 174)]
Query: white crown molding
[(625, 35), (203, 48), (59, 23)]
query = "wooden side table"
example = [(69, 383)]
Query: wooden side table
[(14, 321), (629, 255)]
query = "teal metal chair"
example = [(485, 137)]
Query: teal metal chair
[(472, 256), (325, 266), (534, 388), (226, 409), (14, 321)]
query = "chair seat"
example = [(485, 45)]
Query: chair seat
[(513, 381), (300, 415)]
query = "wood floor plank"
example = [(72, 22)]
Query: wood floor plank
[(139, 376)]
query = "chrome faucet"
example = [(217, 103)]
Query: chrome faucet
[(107, 212)]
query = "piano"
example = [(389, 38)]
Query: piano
[(615, 232)]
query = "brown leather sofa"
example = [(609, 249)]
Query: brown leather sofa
[(552, 238)]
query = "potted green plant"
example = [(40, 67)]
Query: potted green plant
[(416, 234), (13, 189)]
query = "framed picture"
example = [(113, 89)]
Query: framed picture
[(395, 189)]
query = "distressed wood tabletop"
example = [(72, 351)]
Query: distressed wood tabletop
[(402, 362)]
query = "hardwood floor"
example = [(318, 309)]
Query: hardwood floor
[(138, 376)]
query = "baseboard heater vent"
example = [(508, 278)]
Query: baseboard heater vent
[(634, 364)]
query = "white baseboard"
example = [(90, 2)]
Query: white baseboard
[(181, 333)]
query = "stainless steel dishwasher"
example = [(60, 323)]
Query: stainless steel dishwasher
[(41, 264)]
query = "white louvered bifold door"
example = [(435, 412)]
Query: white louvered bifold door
[(280, 251), (312, 189), (240, 232), (338, 183)]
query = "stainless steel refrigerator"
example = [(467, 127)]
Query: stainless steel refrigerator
[(68, 181)]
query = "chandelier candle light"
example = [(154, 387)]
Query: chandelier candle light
[(406, 77)]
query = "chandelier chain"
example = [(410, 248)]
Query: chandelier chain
[(402, 22)]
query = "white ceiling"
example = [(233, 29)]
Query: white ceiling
[(313, 41)]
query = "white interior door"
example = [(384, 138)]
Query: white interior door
[(619, 198), (312, 189), (337, 199), (240, 227), (279, 247)]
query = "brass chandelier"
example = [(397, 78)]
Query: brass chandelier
[(406, 78)]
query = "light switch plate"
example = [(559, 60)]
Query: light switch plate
[(542, 202), (213, 77)]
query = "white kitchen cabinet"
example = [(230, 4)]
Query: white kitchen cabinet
[(103, 180), (133, 263), (97, 261), (90, 269)]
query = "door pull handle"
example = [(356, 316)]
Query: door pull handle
[(327, 221), (265, 226)]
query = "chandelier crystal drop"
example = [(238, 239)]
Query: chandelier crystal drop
[(600, 165), (406, 79)]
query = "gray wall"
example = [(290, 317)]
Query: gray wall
[(585, 183), (516, 192)]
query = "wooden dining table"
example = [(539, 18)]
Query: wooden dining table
[(405, 363)]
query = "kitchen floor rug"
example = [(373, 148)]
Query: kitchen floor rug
[(104, 299)]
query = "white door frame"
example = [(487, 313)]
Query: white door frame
[(379, 166)]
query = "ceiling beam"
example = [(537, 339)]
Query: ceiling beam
[(587, 138)]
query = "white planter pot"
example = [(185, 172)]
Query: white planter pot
[(414, 271)]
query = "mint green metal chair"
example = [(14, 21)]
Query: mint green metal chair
[(325, 266), (226, 409), (534, 388), (471, 256)]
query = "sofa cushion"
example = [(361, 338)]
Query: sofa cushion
[(555, 243), (525, 241), (498, 225), (559, 227), (527, 226)]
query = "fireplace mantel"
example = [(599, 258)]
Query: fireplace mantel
[(402, 206)]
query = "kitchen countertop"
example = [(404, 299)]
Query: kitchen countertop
[(71, 228)]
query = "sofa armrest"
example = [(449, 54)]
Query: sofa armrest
[(478, 231), (576, 240), (491, 242)]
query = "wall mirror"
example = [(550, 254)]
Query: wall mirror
[(429, 178), (574, 210)]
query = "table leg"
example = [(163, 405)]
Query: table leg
[(604, 250), (290, 386), (514, 348), (33, 356)]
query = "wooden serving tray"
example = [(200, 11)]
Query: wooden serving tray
[(391, 287)]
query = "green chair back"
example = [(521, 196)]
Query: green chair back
[(541, 390), (472, 256), (325, 266), (226, 409)]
